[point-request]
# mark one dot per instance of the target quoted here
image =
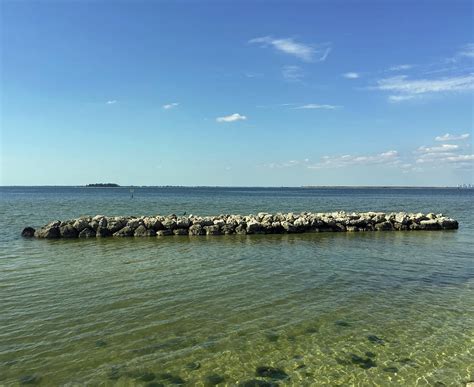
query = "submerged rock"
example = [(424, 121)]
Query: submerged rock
[(257, 383), (30, 379), (375, 339), (271, 372), (365, 363), (213, 380), (193, 366)]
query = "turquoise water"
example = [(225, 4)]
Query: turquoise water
[(363, 309)]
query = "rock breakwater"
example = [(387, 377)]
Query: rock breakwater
[(261, 223)]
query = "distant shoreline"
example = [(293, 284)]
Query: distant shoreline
[(234, 187)]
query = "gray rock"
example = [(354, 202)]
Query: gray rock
[(196, 229), (80, 224), (124, 232), (165, 232), (142, 231), (169, 223), (384, 226), (50, 231), (180, 231), (68, 231), (212, 230), (87, 233)]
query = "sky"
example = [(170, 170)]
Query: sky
[(276, 93)]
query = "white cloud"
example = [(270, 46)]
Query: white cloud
[(351, 75), (231, 118), (408, 89), (441, 148), (390, 157), (400, 98), (305, 52), (467, 50), (111, 102), (292, 73), (452, 137), (317, 106), (171, 105), (400, 67)]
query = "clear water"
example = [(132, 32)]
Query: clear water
[(165, 310)]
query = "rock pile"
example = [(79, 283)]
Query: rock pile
[(261, 223)]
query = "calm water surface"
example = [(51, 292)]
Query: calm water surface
[(327, 309)]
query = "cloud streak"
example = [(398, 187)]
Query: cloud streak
[(231, 118), (111, 102), (405, 88), (302, 51), (317, 106), (171, 105), (351, 75), (452, 137)]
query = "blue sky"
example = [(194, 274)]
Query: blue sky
[(237, 93)]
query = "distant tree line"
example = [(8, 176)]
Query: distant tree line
[(102, 185)]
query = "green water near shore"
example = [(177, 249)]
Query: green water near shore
[(325, 309)]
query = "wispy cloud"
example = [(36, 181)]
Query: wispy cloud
[(452, 137), (287, 164), (292, 73), (305, 52), (231, 118), (435, 149), (400, 98), (253, 75), (390, 157), (317, 106), (401, 67), (467, 50), (111, 102), (405, 88), (351, 75), (171, 105)]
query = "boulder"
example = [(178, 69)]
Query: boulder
[(180, 231), (142, 231), (68, 231), (124, 232), (50, 231), (212, 230), (80, 224), (103, 232), (196, 229), (431, 224), (87, 233), (384, 226), (28, 232), (255, 228), (169, 223)]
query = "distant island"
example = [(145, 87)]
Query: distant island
[(103, 185)]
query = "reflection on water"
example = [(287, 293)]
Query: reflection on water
[(335, 309)]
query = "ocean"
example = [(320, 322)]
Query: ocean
[(374, 308)]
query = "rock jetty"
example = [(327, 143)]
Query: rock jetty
[(261, 223)]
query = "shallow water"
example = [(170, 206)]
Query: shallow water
[(331, 308)]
